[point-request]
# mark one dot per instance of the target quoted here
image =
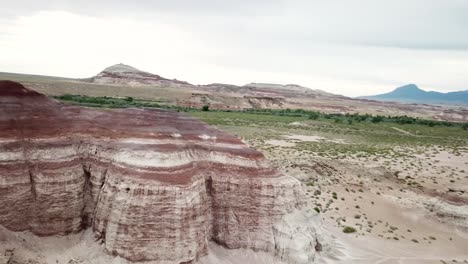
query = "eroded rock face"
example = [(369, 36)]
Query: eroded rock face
[(121, 74), (447, 211), (151, 184)]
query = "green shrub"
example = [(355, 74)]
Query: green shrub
[(349, 229), (377, 119), (314, 116)]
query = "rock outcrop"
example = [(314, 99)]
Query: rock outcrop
[(151, 184), (446, 208), (121, 74)]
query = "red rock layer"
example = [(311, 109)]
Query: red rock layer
[(152, 184)]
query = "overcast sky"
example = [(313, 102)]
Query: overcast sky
[(350, 47)]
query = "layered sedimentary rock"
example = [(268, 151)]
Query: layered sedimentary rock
[(448, 209), (121, 74), (151, 184)]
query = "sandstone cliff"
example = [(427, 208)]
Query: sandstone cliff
[(150, 184)]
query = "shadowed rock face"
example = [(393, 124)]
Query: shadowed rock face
[(152, 184)]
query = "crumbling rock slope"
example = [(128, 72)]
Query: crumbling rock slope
[(150, 184)]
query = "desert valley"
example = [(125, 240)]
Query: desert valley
[(128, 167)]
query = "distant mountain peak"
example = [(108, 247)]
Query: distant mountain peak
[(411, 93), (408, 87)]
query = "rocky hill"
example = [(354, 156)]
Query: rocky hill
[(121, 74), (150, 184), (267, 89), (292, 89)]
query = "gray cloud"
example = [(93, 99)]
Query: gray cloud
[(416, 24)]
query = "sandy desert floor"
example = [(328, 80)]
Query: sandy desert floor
[(407, 205)]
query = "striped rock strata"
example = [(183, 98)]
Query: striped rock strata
[(151, 184)]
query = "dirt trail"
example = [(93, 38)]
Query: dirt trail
[(403, 131)]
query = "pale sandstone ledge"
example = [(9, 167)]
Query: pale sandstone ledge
[(152, 185)]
